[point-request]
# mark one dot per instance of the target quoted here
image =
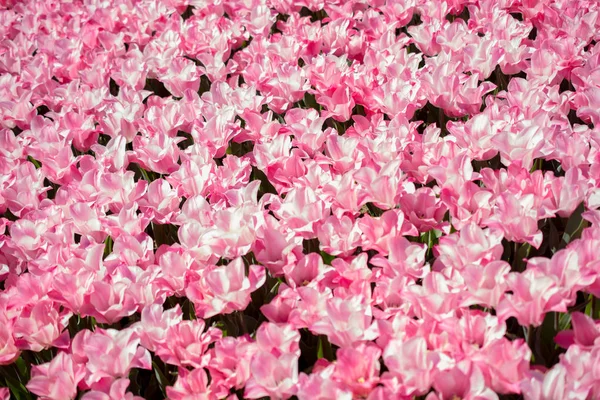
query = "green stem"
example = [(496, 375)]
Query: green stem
[(325, 348), (34, 162)]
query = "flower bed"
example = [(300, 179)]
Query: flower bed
[(349, 199)]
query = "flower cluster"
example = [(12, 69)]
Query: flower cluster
[(341, 199)]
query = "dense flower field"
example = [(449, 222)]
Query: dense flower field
[(347, 199)]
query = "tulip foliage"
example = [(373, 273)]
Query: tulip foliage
[(307, 199)]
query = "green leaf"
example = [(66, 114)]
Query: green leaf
[(265, 185), (592, 308), (189, 310), (320, 349), (231, 325), (221, 325), (108, 244), (311, 102), (275, 287), (22, 367), (575, 226), (553, 237), (542, 344), (17, 389), (327, 258), (564, 321), (163, 382), (521, 257), (537, 165), (147, 176), (324, 349)]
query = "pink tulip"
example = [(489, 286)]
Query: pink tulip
[(320, 385), (41, 327), (533, 295), (188, 344), (358, 368), (272, 376), (110, 301), (347, 322), (377, 233), (230, 361), (117, 391), (161, 201), (57, 379), (192, 385), (308, 269), (410, 366), (9, 351), (156, 152), (301, 210), (122, 354), (222, 290), (155, 323)]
